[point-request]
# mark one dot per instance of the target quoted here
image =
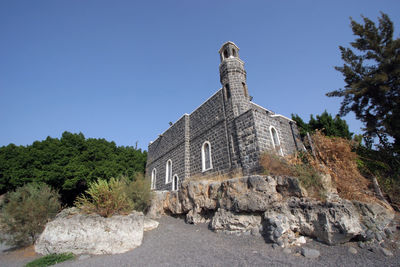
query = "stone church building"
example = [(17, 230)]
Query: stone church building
[(227, 133)]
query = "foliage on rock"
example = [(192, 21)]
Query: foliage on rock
[(335, 157), (296, 166), (26, 211), (105, 198)]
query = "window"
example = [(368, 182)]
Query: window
[(228, 90), (226, 53), (206, 156), (275, 141), (168, 172), (234, 52), (153, 179), (175, 183)]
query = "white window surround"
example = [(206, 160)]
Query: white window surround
[(175, 182), (277, 147), (204, 156), (153, 178), (168, 171)]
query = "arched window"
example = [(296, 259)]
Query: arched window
[(233, 52), (168, 172), (275, 141), (206, 156), (175, 183), (153, 178)]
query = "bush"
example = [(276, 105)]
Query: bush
[(297, 166), (106, 198), (337, 158), (26, 211), (50, 260), (139, 192)]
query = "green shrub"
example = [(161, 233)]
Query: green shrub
[(106, 198), (26, 211), (139, 192), (50, 260)]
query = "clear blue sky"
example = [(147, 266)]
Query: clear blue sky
[(121, 70)]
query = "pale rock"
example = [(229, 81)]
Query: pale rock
[(157, 205), (149, 224), (227, 221), (91, 234)]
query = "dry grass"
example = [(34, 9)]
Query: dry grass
[(295, 166), (334, 156), (216, 177)]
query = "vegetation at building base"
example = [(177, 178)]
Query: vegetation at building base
[(334, 156), (295, 166), (67, 164), (118, 196), (51, 259), (25, 212)]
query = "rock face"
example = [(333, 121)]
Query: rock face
[(91, 234), (276, 207)]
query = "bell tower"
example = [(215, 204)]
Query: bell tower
[(233, 79)]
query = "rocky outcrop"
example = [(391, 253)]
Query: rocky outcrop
[(79, 233), (276, 207)]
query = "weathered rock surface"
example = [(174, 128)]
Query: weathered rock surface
[(149, 224), (235, 223), (278, 208), (79, 233)]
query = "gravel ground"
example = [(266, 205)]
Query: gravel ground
[(175, 243)]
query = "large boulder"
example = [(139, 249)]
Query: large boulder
[(79, 233)]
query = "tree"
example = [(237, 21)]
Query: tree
[(26, 211), (67, 164), (372, 76), (325, 123)]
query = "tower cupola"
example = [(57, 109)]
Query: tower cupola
[(229, 50), (233, 78)]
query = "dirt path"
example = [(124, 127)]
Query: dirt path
[(175, 243)]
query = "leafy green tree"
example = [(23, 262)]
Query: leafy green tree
[(325, 123), (26, 211), (372, 75), (67, 164)]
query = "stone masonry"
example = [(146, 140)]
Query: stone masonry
[(227, 133)]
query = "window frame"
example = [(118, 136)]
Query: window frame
[(203, 156), (168, 170), (173, 182), (280, 152), (153, 179)]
